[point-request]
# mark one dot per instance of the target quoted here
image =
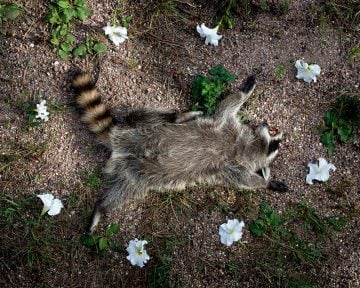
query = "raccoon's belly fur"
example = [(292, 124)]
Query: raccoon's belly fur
[(172, 156)]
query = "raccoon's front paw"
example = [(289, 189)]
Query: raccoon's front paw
[(277, 186)]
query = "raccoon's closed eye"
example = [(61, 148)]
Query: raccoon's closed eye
[(273, 146)]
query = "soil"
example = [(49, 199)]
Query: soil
[(155, 67)]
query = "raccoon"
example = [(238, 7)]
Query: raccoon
[(163, 150)]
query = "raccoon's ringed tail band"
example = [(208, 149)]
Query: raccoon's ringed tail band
[(95, 113)]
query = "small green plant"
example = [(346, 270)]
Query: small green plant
[(100, 244), (90, 46), (340, 122), (93, 179), (280, 71), (207, 91), (354, 53), (18, 217), (246, 7), (9, 11), (293, 239), (343, 12), (118, 19), (165, 245), (62, 15)]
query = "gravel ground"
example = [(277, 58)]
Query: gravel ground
[(156, 69)]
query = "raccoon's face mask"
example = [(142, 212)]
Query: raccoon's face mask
[(271, 144)]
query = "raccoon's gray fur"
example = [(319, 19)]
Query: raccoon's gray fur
[(157, 150)]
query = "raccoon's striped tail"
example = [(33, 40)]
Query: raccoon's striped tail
[(95, 113)]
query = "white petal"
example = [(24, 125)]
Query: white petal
[(299, 64), (137, 253), (315, 69), (47, 200), (199, 30), (55, 207)]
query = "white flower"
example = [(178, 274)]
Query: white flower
[(117, 34), (210, 35), (41, 111), (137, 253), (306, 71), (319, 172), (51, 205), (231, 231)]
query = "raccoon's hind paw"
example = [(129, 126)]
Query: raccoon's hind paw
[(277, 186), (249, 84)]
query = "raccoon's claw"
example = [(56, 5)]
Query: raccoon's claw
[(277, 186)]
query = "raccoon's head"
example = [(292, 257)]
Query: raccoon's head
[(270, 146)]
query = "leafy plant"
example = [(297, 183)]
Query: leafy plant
[(102, 243), (61, 17), (343, 12), (246, 7), (165, 247), (18, 216), (207, 91), (89, 47), (280, 71), (340, 122), (93, 179), (9, 11), (293, 239), (118, 19)]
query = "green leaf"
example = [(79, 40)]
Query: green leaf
[(223, 75), (88, 240), (112, 229), (100, 48), (54, 40), (69, 38), (265, 210), (67, 47), (10, 11), (82, 13), (63, 4), (80, 50), (328, 140), (54, 18), (125, 21), (229, 21), (68, 14), (89, 42), (64, 55), (257, 228), (63, 29), (103, 243), (198, 86), (330, 118), (345, 131), (79, 2), (274, 220)]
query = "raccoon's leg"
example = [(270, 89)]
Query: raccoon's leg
[(230, 106), (240, 177), (187, 116), (118, 194), (151, 117)]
